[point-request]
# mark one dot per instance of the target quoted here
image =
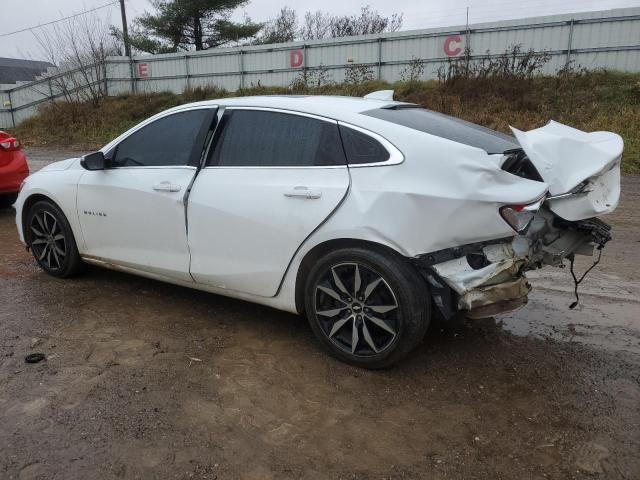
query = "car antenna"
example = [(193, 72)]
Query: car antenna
[(575, 279)]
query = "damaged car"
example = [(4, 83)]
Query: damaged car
[(368, 215)]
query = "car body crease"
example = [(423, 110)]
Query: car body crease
[(208, 144), (295, 254)]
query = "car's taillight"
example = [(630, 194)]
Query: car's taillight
[(519, 217), (10, 144)]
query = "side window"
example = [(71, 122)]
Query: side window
[(165, 142), (258, 138), (361, 148)]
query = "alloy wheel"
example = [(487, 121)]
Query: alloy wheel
[(48, 242), (357, 309)]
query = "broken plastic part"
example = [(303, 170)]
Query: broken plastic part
[(486, 301), (442, 297), (519, 217)]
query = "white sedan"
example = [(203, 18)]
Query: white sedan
[(366, 214)]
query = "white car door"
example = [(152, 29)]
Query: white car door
[(271, 179), (133, 213)]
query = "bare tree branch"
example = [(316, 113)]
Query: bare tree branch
[(78, 48)]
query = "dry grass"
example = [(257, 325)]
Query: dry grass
[(588, 101)]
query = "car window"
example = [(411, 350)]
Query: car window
[(361, 148), (447, 127), (259, 138), (168, 141)]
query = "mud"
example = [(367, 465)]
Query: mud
[(147, 380)]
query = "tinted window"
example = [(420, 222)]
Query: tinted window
[(167, 141), (272, 139), (447, 127), (361, 148)]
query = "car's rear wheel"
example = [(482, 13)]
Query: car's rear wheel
[(51, 240), (368, 308)]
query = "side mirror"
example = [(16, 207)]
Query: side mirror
[(94, 161)]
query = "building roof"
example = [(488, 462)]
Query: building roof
[(15, 69)]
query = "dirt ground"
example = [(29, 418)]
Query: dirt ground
[(147, 380)]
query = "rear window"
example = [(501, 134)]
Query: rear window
[(447, 127)]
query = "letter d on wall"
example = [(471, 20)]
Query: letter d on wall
[(296, 58)]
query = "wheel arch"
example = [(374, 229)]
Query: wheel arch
[(29, 202), (325, 247)]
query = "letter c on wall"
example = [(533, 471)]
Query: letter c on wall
[(452, 45), (296, 57)]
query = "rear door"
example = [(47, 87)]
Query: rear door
[(133, 214), (270, 180)]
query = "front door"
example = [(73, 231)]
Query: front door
[(133, 213), (271, 180)]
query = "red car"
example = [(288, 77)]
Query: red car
[(13, 169)]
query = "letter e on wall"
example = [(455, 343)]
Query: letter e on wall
[(143, 70)]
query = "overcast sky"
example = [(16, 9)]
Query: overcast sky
[(417, 13)]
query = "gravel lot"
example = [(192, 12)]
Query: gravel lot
[(148, 380)]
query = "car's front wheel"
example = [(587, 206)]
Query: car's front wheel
[(368, 308), (51, 240)]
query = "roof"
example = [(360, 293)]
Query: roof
[(337, 107), (313, 104), (13, 70)]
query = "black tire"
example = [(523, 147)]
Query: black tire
[(395, 331), (52, 244), (7, 199)]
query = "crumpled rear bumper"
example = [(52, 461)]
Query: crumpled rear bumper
[(494, 284), (487, 301), (488, 279)]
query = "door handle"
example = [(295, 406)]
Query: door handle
[(167, 187), (303, 192)]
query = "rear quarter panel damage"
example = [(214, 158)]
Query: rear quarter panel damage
[(442, 195)]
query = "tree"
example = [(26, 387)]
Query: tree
[(141, 41), (318, 25), (369, 21), (189, 24), (283, 28), (78, 48)]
